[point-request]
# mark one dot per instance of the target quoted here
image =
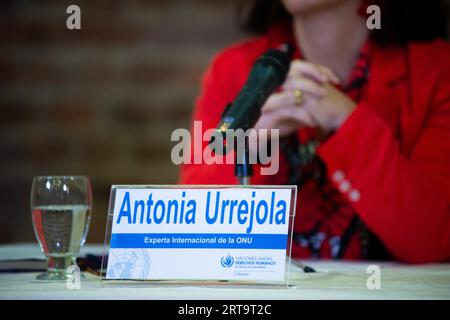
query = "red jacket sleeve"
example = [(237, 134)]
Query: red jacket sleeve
[(405, 200)]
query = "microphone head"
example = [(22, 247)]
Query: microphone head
[(286, 48), (279, 59), (269, 71)]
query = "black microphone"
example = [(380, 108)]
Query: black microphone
[(268, 73)]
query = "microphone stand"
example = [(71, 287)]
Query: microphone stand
[(242, 167)]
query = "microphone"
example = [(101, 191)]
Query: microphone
[(268, 73)]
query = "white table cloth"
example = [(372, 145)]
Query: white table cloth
[(334, 280)]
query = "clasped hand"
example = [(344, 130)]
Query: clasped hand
[(308, 98)]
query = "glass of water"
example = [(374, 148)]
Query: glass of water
[(61, 211)]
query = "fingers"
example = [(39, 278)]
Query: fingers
[(287, 97), (306, 85), (314, 71), (300, 116), (278, 100), (287, 120)]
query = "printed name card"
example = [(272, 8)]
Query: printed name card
[(199, 233)]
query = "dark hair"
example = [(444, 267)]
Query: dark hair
[(401, 21)]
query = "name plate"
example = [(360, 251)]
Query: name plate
[(199, 232)]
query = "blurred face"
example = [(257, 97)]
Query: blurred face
[(299, 7)]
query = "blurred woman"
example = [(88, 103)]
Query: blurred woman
[(364, 116)]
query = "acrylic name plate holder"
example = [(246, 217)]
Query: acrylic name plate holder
[(199, 234)]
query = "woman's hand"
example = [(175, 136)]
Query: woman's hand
[(332, 109), (322, 104), (282, 111)]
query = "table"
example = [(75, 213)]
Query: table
[(334, 280)]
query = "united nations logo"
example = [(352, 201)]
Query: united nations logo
[(227, 261), (129, 264)]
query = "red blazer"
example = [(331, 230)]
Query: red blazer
[(394, 149)]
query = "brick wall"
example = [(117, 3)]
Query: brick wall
[(101, 101)]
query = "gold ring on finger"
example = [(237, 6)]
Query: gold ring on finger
[(298, 95)]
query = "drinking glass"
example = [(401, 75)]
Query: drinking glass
[(61, 212)]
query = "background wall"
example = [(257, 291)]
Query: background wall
[(101, 101)]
